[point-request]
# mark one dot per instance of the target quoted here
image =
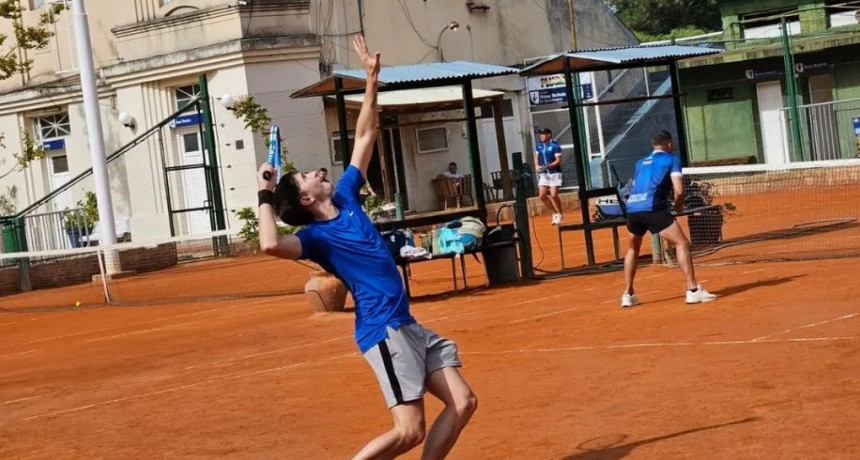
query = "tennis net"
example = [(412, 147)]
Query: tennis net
[(798, 211)]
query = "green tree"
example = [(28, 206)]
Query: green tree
[(12, 62), (663, 19)]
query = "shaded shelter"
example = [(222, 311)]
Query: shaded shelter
[(420, 88), (573, 62)]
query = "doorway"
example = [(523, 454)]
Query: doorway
[(772, 121)]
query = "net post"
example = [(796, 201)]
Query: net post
[(521, 215)]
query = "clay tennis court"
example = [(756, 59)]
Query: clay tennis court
[(771, 370)]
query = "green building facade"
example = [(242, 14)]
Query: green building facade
[(738, 106)]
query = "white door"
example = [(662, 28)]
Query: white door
[(773, 128), (193, 184), (58, 171)]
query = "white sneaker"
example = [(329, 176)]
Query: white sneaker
[(700, 296), (556, 218), (560, 218), (629, 300)]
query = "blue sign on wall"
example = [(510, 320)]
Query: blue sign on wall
[(857, 134), (55, 144), (557, 95), (185, 120)]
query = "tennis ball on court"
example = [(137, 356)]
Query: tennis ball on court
[(78, 303)]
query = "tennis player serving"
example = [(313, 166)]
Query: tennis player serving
[(407, 358)]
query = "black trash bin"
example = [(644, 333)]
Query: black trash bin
[(500, 255)]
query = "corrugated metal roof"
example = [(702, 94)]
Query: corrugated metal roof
[(392, 100), (406, 75), (582, 60)]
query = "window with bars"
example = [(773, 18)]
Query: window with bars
[(52, 126), (337, 146), (184, 95)]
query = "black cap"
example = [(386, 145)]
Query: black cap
[(545, 131)]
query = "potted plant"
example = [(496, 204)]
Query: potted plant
[(80, 221)]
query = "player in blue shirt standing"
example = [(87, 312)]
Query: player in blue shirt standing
[(648, 210), (406, 358), (548, 168)]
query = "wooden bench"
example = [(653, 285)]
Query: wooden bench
[(404, 264), (613, 224)]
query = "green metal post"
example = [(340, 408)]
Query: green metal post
[(220, 244), (521, 215), (212, 167), (791, 88), (21, 246)]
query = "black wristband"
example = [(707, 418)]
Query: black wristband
[(266, 197)]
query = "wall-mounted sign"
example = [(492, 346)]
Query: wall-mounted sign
[(550, 89), (55, 144), (185, 120), (753, 74), (802, 67), (857, 134)]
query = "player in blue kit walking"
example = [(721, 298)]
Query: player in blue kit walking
[(649, 210), (548, 167), (406, 358)]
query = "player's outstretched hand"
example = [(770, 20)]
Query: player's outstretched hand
[(371, 63), (267, 183)]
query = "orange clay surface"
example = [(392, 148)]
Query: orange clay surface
[(770, 370)]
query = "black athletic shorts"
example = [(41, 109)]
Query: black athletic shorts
[(652, 221)]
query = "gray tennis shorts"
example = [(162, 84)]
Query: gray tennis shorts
[(403, 361)]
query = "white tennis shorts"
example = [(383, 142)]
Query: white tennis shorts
[(550, 180)]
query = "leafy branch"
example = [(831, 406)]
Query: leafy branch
[(258, 121)]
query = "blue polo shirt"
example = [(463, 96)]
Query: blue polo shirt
[(351, 248), (546, 154), (652, 182)]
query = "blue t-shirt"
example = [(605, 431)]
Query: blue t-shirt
[(652, 182), (351, 248), (546, 154)]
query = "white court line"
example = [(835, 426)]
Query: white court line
[(267, 353), (655, 345), (475, 312), (541, 299), (177, 325), (20, 353), (184, 387), (20, 400), (530, 318), (831, 320), (46, 339)]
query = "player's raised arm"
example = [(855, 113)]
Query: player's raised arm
[(273, 244), (365, 130)]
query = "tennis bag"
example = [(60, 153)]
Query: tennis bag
[(469, 230)]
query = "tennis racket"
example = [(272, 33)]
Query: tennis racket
[(274, 152)]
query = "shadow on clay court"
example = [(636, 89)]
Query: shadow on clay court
[(610, 448), (739, 288), (731, 290)]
